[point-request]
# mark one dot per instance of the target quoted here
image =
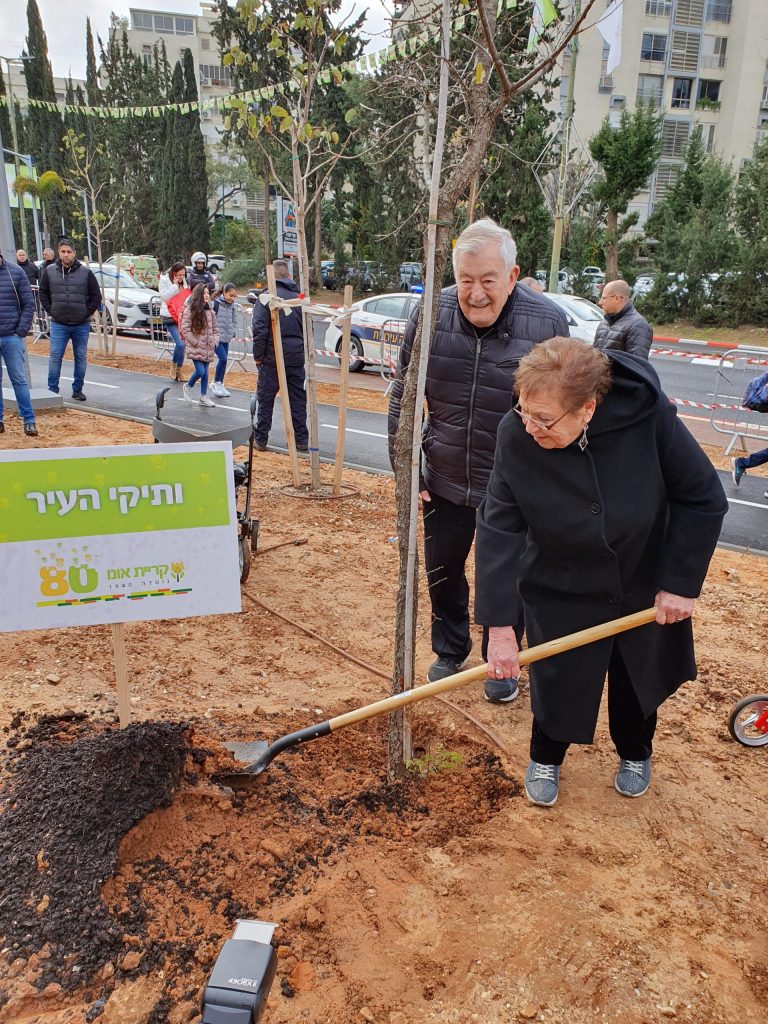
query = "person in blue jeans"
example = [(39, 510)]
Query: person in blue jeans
[(169, 285), (740, 465), (17, 307), (225, 310), (70, 294)]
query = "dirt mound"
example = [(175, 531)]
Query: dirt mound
[(74, 790)]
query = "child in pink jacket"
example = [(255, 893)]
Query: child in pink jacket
[(200, 331)]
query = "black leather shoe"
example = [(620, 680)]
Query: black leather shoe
[(30, 430), (2, 428), (78, 396)]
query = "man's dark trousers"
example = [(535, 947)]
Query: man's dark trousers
[(266, 391), (449, 531)]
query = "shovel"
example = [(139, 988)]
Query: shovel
[(258, 755)]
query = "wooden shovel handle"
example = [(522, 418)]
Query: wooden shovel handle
[(470, 675)]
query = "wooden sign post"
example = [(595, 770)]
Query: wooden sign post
[(121, 674), (280, 363)]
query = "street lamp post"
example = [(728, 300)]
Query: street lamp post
[(12, 119)]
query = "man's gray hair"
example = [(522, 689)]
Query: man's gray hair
[(281, 268), (480, 234)]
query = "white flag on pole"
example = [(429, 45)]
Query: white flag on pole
[(609, 28)]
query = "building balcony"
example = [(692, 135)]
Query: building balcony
[(705, 104)]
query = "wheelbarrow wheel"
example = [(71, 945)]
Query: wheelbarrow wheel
[(748, 722), (244, 555)]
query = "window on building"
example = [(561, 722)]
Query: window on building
[(709, 90), (650, 89), (205, 43), (658, 8), (606, 80), (146, 55), (665, 179), (142, 21), (689, 12), (708, 137), (674, 139), (653, 47), (684, 52), (764, 100), (681, 93), (185, 27), (215, 73), (163, 23), (714, 51), (718, 10)]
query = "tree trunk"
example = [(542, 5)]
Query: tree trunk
[(267, 214), (611, 246), (316, 277)]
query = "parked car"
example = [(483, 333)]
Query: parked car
[(565, 279), (376, 322), (410, 277), (328, 274), (133, 301), (216, 263), (583, 316), (643, 285), (360, 274)]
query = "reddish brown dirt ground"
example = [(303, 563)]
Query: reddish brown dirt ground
[(447, 899)]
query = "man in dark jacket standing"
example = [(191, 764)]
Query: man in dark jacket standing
[(624, 328), (17, 307), (485, 323), (70, 294), (29, 268), (292, 334), (200, 274)]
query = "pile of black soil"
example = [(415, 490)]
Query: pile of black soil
[(72, 791)]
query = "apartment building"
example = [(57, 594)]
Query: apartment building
[(180, 32), (699, 61)]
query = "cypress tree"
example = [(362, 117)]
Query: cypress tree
[(198, 234), (171, 220), (45, 127), (93, 92)]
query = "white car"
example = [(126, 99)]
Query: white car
[(643, 285), (378, 324), (583, 316), (216, 263), (133, 302)]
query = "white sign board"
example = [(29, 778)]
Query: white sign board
[(117, 534), (287, 228)]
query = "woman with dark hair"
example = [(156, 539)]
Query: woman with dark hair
[(600, 504), (170, 284), (200, 331)]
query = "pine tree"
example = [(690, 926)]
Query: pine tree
[(45, 127), (195, 178), (750, 283)]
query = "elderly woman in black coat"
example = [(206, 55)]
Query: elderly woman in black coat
[(600, 504)]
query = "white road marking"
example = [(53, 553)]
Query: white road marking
[(95, 384), (231, 408), (752, 504), (351, 430)]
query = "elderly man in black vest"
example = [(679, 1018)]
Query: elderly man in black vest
[(624, 328), (486, 323), (70, 294)]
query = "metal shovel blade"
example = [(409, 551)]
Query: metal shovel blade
[(246, 754)]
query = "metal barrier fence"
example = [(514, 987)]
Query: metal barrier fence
[(241, 344), (159, 336), (41, 325), (735, 370)]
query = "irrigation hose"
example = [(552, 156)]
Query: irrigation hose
[(379, 672)]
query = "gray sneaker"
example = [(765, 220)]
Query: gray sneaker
[(633, 777), (443, 667), (541, 783), (501, 691)]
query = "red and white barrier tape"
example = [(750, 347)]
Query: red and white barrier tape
[(703, 405)]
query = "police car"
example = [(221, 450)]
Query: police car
[(378, 324)]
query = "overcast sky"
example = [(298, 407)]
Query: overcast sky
[(64, 24)]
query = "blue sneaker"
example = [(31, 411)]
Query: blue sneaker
[(541, 783), (501, 691), (633, 777), (737, 471)]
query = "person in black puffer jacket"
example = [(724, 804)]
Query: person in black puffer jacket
[(624, 328), (17, 307), (70, 294), (292, 335), (485, 324)]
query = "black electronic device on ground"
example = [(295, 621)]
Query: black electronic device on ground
[(242, 976)]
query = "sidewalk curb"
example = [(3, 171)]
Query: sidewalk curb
[(699, 343)]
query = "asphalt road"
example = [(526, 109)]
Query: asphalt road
[(132, 396)]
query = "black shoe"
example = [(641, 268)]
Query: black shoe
[(501, 691), (302, 447), (259, 446), (2, 428), (30, 430), (78, 396), (444, 667)]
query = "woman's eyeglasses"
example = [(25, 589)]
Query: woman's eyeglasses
[(537, 423)]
